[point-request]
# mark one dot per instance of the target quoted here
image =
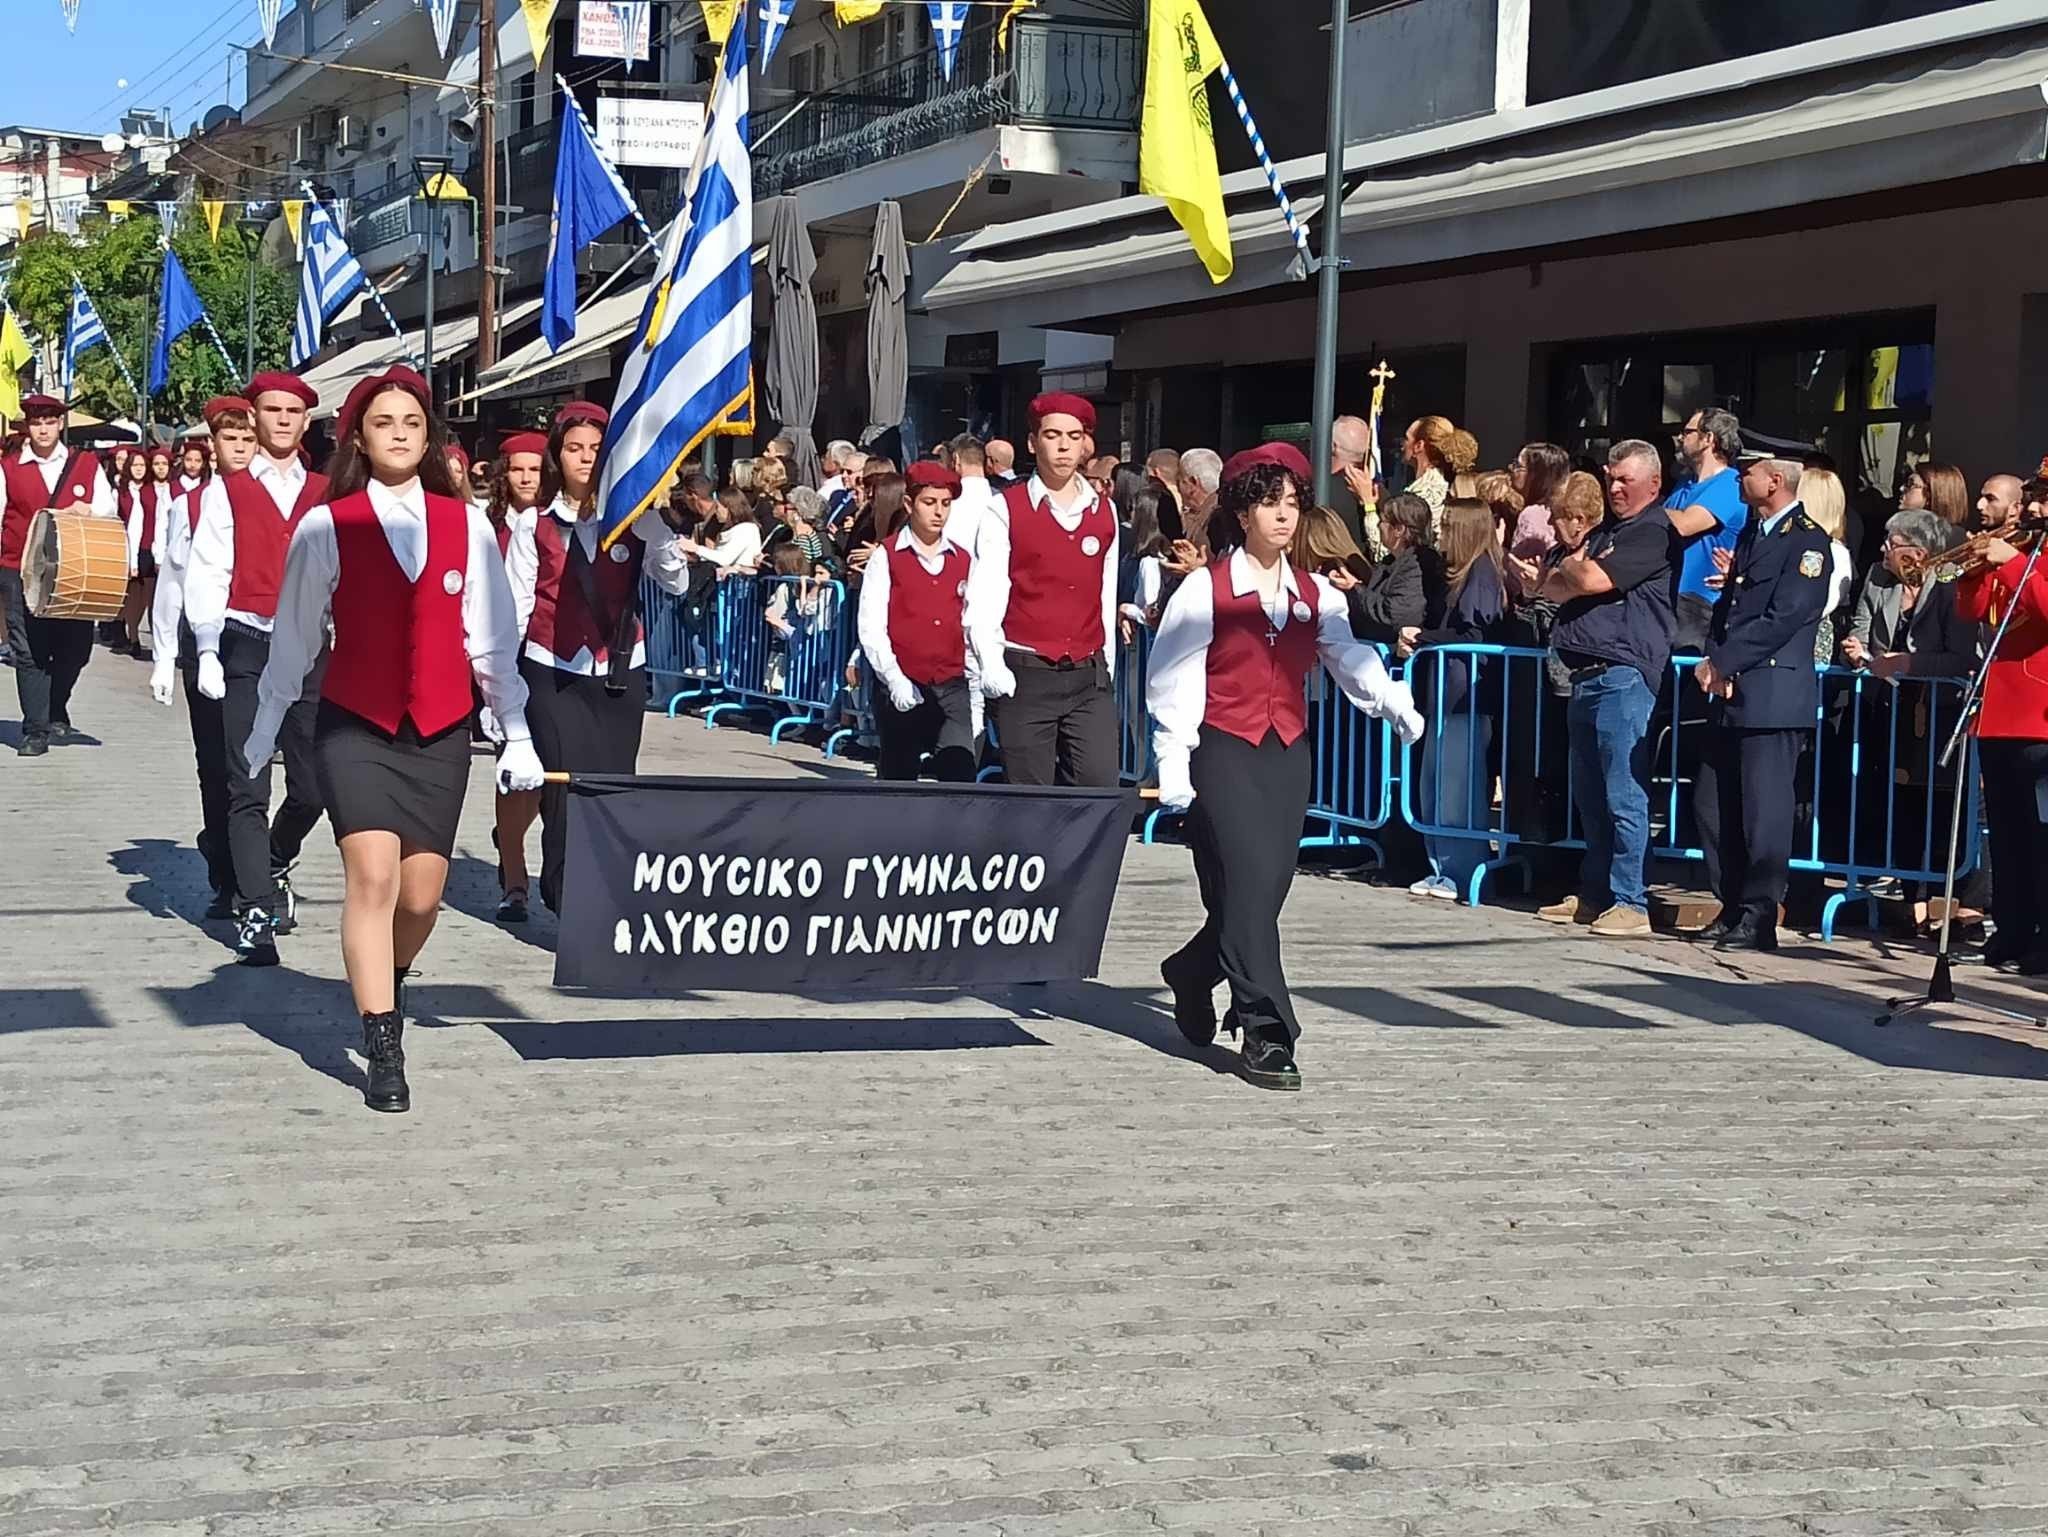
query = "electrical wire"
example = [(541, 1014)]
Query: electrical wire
[(209, 33)]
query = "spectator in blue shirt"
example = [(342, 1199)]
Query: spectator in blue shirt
[(1708, 510)]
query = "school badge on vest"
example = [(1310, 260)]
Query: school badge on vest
[(1301, 612), (1810, 563), (451, 582), (620, 554), (1091, 546)]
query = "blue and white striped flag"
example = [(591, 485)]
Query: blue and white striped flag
[(83, 331), (775, 20), (331, 274), (689, 367), (949, 19)]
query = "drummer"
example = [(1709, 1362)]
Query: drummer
[(48, 654)]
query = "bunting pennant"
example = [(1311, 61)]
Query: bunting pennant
[(119, 209), (718, 16), (167, 214), (540, 19), (24, 215), (775, 19), (214, 208), (949, 19), (70, 13), (442, 13), (267, 12), (294, 211), (850, 13)]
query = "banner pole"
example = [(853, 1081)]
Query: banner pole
[(556, 777)]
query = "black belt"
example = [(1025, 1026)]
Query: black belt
[(250, 630), (1064, 664)]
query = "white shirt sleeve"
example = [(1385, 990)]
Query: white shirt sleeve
[(665, 561), (1354, 664), (1109, 565), (522, 568), (312, 566), (1177, 680), (134, 531), (160, 539), (873, 623), (736, 546), (168, 607), (103, 503), (492, 626), (210, 567), (988, 587)]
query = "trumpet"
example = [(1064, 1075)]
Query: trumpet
[(1968, 557)]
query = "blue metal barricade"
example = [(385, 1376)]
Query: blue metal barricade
[(682, 646), (858, 702), (1351, 792), (784, 641)]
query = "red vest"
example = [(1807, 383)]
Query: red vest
[(147, 501), (261, 537), (399, 647), (1257, 684), (27, 496), (562, 622), (925, 629), (1055, 581), (502, 527), (192, 501)]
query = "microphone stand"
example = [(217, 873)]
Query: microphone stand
[(1941, 986)]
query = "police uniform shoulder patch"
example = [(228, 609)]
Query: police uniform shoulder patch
[(1811, 563)]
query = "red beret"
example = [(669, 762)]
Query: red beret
[(1063, 405), (578, 412), (524, 443), (223, 403), (399, 377), (1286, 455), (283, 384), (459, 454), (42, 405), (161, 451), (925, 473)]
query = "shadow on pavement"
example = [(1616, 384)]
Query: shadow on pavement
[(235, 995), (473, 891), (49, 1008), (168, 880), (602, 1039)]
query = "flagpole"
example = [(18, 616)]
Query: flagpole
[(120, 362), (369, 287), (206, 320), (1251, 132), (1331, 267)]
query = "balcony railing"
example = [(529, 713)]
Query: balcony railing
[(1058, 72)]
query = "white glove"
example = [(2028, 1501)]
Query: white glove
[(259, 749), (519, 768), (1176, 790), (213, 683), (1399, 707), (905, 695), (488, 720), (163, 681), (998, 682)]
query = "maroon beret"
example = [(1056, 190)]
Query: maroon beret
[(925, 473), (524, 443), (580, 412), (283, 384), (460, 455), (223, 403), (396, 377), (1060, 404), (42, 405), (1286, 455)]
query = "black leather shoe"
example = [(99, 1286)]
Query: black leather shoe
[(1194, 1007), (2033, 964), (32, 747), (1267, 1062), (1748, 934), (222, 906), (383, 1049), (2004, 954), (1716, 931)]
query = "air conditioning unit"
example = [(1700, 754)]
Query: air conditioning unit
[(352, 132), (305, 150), (326, 123)]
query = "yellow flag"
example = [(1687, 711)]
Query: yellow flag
[(850, 12), (718, 15), (294, 210), (1176, 140), (1003, 26), (118, 210), (15, 354), (214, 208), (24, 215), (540, 16)]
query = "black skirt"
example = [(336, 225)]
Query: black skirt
[(371, 781)]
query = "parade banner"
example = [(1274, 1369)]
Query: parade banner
[(674, 885)]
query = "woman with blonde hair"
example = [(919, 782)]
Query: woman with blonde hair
[(1464, 462), (1821, 494), (1429, 450)]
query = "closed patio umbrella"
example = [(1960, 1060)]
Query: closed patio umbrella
[(793, 337)]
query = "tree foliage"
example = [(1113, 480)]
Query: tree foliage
[(121, 266)]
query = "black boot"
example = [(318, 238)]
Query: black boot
[(398, 976), (1268, 1060), (1194, 1005), (382, 1038)]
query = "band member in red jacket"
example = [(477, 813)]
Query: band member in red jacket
[(1041, 610), (1227, 684), (48, 654), (231, 583), (913, 634), (410, 574), (2012, 742)]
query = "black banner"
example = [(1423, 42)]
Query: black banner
[(772, 886)]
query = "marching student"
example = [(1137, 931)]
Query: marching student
[(233, 424), (1041, 609), (1228, 674), (147, 512), (585, 654), (194, 465), (913, 634), (513, 508), (410, 575), (246, 521), (48, 654)]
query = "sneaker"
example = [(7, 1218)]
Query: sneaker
[(256, 939), (1621, 923), (33, 747), (1566, 910), (287, 901), (1440, 887)]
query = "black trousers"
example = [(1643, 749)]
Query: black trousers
[(210, 752), (259, 844), (2016, 811), (942, 725), (1745, 801), (49, 654), (578, 728), (1245, 830), (1060, 727)]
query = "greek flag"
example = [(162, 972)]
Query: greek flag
[(82, 332), (331, 274), (949, 17), (689, 366)]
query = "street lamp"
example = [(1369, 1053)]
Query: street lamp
[(438, 184)]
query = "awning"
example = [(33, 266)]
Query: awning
[(332, 378), (610, 320)]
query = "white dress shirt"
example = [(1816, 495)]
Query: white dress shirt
[(963, 523), (210, 569), (99, 495), (872, 619), (988, 585), (137, 516), (664, 562), (739, 545), (312, 568), (174, 551), (189, 482), (1177, 682)]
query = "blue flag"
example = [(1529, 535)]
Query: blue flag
[(177, 311), (589, 199)]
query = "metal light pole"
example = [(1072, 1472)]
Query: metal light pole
[(251, 257), (434, 173), (487, 235), (1331, 266)]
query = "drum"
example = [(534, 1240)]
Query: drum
[(74, 566)]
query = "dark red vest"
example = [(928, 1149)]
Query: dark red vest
[(925, 628), (148, 500), (1055, 580), (562, 621), (502, 527), (399, 648), (27, 496), (261, 537), (1258, 676)]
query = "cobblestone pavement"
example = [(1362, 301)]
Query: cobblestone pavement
[(1560, 1238)]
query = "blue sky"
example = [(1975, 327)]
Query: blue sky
[(171, 52)]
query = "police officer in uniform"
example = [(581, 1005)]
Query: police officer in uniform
[(1764, 698)]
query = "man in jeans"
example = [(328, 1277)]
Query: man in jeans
[(1617, 605)]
